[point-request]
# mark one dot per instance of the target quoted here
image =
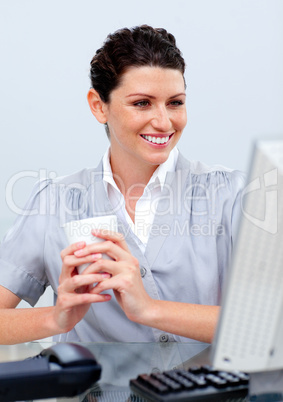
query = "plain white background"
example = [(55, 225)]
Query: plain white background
[(234, 55)]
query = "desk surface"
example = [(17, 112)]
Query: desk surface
[(122, 361)]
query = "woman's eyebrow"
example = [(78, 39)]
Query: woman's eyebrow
[(153, 97), (141, 94), (176, 96)]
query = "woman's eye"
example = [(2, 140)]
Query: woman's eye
[(142, 103), (176, 103)]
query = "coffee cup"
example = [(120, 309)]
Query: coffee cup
[(80, 230)]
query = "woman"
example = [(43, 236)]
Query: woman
[(176, 218)]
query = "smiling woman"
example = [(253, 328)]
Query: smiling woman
[(145, 115), (164, 272)]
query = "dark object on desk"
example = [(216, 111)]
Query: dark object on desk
[(201, 383), (64, 369)]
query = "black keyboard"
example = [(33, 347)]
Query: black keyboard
[(195, 384)]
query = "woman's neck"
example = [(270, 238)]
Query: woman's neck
[(129, 177)]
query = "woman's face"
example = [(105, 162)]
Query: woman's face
[(146, 115)]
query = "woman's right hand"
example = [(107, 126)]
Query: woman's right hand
[(74, 296)]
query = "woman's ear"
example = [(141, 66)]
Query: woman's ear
[(97, 106)]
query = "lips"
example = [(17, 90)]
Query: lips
[(157, 139)]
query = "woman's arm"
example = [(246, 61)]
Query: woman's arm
[(194, 321), (73, 301), (189, 320), (21, 325)]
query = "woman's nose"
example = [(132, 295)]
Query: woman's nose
[(161, 120)]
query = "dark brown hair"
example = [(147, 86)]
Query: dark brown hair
[(129, 47)]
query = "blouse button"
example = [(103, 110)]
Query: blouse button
[(142, 271), (164, 338)]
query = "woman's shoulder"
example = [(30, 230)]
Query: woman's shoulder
[(72, 187), (84, 177), (212, 175)]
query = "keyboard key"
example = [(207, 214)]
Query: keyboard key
[(198, 379), (195, 369), (216, 381), (231, 379), (152, 383)]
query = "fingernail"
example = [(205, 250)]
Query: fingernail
[(78, 252), (96, 256), (81, 244), (105, 275)]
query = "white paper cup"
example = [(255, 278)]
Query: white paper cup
[(81, 231)]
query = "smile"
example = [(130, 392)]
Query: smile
[(156, 140)]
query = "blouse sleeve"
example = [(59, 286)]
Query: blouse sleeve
[(22, 249)]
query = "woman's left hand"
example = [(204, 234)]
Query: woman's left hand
[(125, 279)]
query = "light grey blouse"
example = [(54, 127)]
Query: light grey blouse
[(186, 257)]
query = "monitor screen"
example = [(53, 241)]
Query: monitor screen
[(249, 335)]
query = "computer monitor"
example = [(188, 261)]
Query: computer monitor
[(249, 335)]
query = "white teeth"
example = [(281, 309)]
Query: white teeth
[(156, 140)]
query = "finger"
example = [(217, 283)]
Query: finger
[(87, 298), (112, 284), (78, 281), (115, 237), (102, 266), (121, 283), (72, 248), (108, 247), (74, 261), (114, 267), (78, 299), (70, 264)]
